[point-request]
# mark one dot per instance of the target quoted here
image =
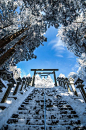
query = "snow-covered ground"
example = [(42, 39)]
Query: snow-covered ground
[(12, 105), (77, 103)]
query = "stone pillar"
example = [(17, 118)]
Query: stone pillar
[(71, 80), (25, 84), (67, 84), (63, 83), (33, 78), (10, 85), (22, 85), (29, 81), (1, 85), (16, 88), (58, 81)]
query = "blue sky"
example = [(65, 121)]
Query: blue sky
[(52, 55)]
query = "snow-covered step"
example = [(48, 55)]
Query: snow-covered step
[(12, 105), (44, 109)]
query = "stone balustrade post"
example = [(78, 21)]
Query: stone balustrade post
[(67, 84), (22, 85), (58, 81), (16, 88), (63, 82), (71, 80), (1, 85), (30, 80), (25, 84), (10, 85)]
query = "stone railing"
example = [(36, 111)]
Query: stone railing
[(64, 82), (69, 84), (20, 85)]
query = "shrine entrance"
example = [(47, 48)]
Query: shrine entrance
[(44, 72)]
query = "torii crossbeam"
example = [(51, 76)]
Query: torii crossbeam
[(53, 72)]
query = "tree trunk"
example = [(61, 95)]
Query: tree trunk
[(4, 41), (10, 52)]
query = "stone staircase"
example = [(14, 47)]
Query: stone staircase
[(44, 109)]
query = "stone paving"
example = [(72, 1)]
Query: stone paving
[(44, 109)]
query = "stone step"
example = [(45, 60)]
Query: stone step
[(37, 112), (41, 127)]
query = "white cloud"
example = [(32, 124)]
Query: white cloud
[(57, 44), (70, 56), (59, 55), (76, 66)]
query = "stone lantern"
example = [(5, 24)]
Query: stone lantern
[(80, 86), (10, 85), (23, 82), (62, 80), (58, 81), (71, 80), (66, 82)]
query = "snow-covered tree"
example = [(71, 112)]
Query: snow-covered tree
[(62, 76), (73, 75), (81, 72), (29, 75), (16, 71), (23, 24), (49, 82), (38, 81), (74, 35), (82, 69)]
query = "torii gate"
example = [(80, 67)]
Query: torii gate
[(52, 72)]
